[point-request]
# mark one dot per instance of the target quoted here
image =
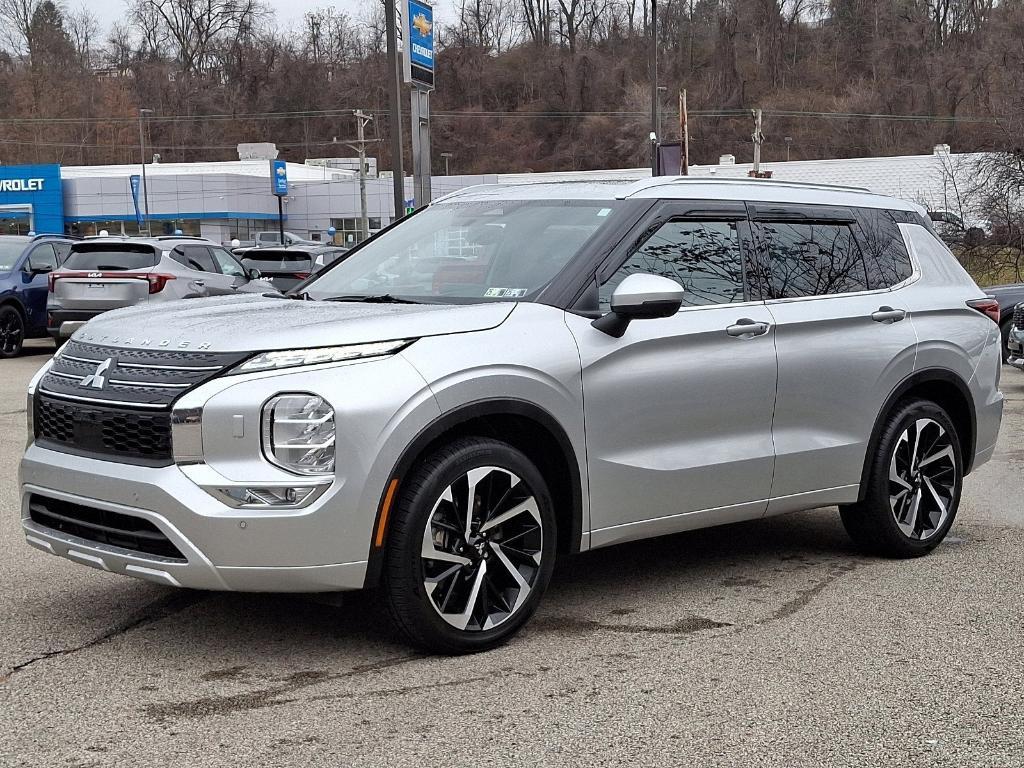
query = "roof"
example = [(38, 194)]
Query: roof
[(256, 168), (685, 188)]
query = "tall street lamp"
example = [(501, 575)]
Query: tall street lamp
[(142, 150)]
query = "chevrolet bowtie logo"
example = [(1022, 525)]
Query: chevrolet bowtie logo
[(96, 379), (421, 25)]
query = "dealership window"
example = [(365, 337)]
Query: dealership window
[(14, 225), (349, 232), (246, 229)]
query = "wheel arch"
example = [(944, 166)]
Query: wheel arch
[(524, 425), (943, 387), (10, 300)]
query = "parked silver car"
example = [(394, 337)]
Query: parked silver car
[(518, 372), (101, 274)]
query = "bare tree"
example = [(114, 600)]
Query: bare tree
[(16, 23)]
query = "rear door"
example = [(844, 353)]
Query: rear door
[(100, 276), (679, 410), (844, 342)]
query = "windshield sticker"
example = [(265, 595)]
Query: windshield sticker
[(604, 211), (505, 293)]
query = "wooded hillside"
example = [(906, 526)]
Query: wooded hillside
[(521, 84)]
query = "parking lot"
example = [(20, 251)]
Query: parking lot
[(768, 643)]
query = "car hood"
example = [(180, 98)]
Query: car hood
[(256, 323)]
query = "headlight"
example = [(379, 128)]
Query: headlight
[(298, 433), (290, 358)]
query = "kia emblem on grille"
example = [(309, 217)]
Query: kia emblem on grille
[(96, 379)]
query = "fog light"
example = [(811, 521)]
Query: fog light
[(268, 497)]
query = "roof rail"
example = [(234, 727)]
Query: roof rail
[(44, 235), (180, 237), (658, 181)]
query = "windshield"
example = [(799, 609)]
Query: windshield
[(111, 257), (493, 250), (9, 255)]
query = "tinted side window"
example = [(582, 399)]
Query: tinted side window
[(703, 256), (885, 254), (812, 259), (227, 263), (194, 257), (42, 257)]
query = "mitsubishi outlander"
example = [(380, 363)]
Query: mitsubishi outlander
[(518, 372)]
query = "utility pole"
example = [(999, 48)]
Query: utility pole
[(789, 142), (145, 186), (362, 119), (394, 80), (684, 136), (655, 138), (447, 156), (757, 138)]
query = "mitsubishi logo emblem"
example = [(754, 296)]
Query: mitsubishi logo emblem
[(96, 379)]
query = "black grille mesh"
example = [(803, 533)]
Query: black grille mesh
[(1018, 316), (133, 437)]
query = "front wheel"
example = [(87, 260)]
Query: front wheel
[(913, 486), (12, 332), (471, 547)]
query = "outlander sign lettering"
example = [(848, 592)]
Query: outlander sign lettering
[(21, 185)]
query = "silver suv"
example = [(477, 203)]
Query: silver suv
[(107, 273), (518, 372)]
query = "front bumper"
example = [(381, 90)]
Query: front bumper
[(1015, 345), (224, 549)]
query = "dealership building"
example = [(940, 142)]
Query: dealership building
[(234, 199)]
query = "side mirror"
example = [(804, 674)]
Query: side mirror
[(640, 297), (253, 273)]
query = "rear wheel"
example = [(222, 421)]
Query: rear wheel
[(913, 488), (12, 332), (471, 547)]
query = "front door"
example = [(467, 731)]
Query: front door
[(679, 410)]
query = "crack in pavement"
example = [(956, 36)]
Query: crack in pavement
[(265, 697), (154, 611), (804, 596), (567, 625)]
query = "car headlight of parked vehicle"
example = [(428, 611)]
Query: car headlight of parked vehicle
[(291, 358), (298, 433)]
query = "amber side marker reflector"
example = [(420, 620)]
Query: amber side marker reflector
[(382, 524)]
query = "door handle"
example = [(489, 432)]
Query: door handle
[(745, 328), (200, 283), (888, 315)]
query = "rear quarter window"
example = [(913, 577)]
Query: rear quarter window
[(885, 253), (107, 257)]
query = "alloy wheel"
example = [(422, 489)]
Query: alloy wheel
[(482, 548), (923, 479), (11, 332)]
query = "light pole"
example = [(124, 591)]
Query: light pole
[(142, 150), (655, 137), (789, 142), (447, 156), (394, 87)]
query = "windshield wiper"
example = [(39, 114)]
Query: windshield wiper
[(383, 298)]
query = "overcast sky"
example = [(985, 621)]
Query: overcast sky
[(287, 11)]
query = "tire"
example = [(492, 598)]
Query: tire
[(448, 616), (12, 332), (909, 515)]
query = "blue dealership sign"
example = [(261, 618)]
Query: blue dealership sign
[(35, 191), (136, 182), (279, 177), (420, 53)]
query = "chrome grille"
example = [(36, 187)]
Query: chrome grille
[(1018, 316), (141, 378)]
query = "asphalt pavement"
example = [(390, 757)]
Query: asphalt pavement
[(770, 643)]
